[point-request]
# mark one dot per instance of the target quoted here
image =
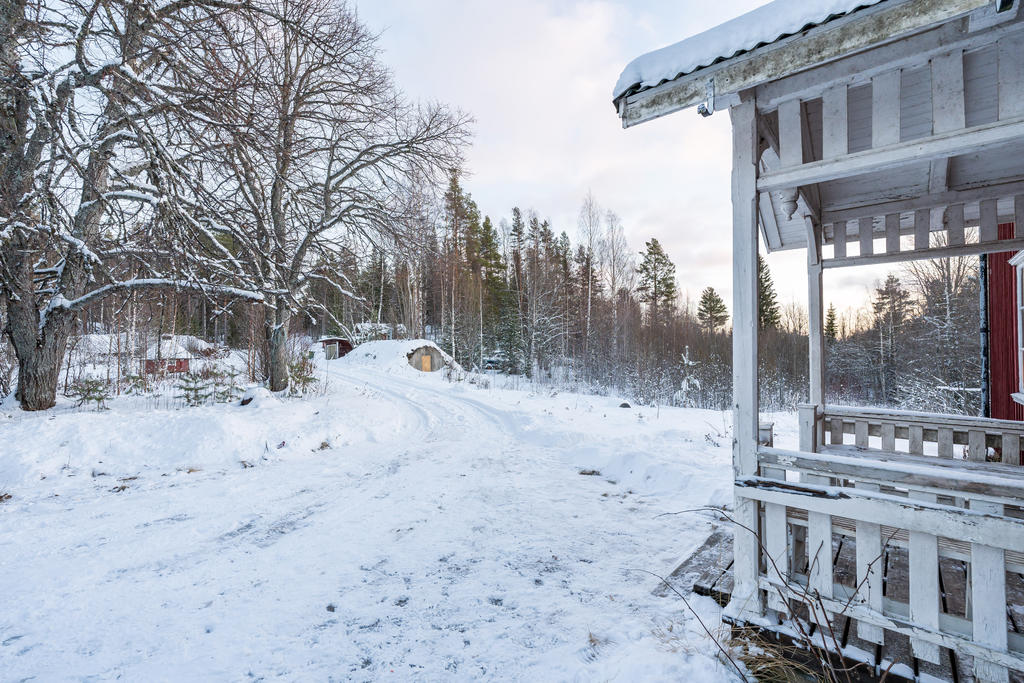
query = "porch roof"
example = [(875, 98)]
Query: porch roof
[(762, 26)]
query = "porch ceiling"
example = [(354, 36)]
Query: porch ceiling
[(988, 174)]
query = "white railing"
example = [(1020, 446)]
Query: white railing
[(926, 507), (979, 439)]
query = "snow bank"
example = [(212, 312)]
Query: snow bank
[(761, 26), (392, 355)]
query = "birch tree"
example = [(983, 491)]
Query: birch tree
[(94, 198), (320, 152)]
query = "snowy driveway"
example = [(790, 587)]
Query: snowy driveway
[(397, 528)]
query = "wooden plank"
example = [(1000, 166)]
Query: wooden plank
[(860, 431), (866, 233), (945, 442), (1011, 76), (819, 554), (776, 545), (955, 225), (923, 553), (835, 117), (1011, 449), (988, 600), (885, 109), (746, 602), (839, 239), (822, 44), (989, 223), (791, 139), (976, 448), (900, 469), (892, 233), (880, 508), (869, 573), (922, 229), (948, 110), (916, 439), (955, 143)]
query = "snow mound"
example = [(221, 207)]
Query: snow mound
[(393, 355)]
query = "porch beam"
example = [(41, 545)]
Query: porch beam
[(953, 143), (919, 254)]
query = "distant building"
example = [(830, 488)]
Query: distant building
[(335, 347)]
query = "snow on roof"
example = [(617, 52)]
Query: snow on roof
[(762, 26)]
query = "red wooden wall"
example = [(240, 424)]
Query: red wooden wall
[(1002, 325)]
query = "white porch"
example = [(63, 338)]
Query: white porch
[(890, 133)]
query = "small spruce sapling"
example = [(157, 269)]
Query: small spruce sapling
[(90, 390)]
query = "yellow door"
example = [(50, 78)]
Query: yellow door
[(426, 363)]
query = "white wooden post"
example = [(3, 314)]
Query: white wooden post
[(746, 601)]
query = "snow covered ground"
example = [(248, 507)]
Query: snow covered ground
[(396, 527)]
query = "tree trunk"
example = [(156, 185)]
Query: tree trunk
[(38, 373), (277, 344)]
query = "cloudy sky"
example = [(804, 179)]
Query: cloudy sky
[(537, 75)]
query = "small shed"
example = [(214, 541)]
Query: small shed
[(171, 356), (426, 359), (335, 347)]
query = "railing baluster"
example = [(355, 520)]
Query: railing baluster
[(888, 436), (836, 431), (776, 543), (988, 600), (916, 440), (955, 225), (924, 585), (839, 239), (860, 433), (976, 448), (866, 230), (945, 442), (869, 572), (1011, 449), (892, 233), (819, 555), (922, 229)]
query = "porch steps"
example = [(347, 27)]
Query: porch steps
[(708, 572)]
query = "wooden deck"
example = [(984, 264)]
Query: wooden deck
[(708, 572)]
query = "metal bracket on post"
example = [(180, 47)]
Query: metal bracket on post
[(707, 108)]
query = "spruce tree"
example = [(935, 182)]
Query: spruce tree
[(768, 316), (657, 285), (831, 325), (711, 311)]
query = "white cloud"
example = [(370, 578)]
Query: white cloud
[(537, 75)]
